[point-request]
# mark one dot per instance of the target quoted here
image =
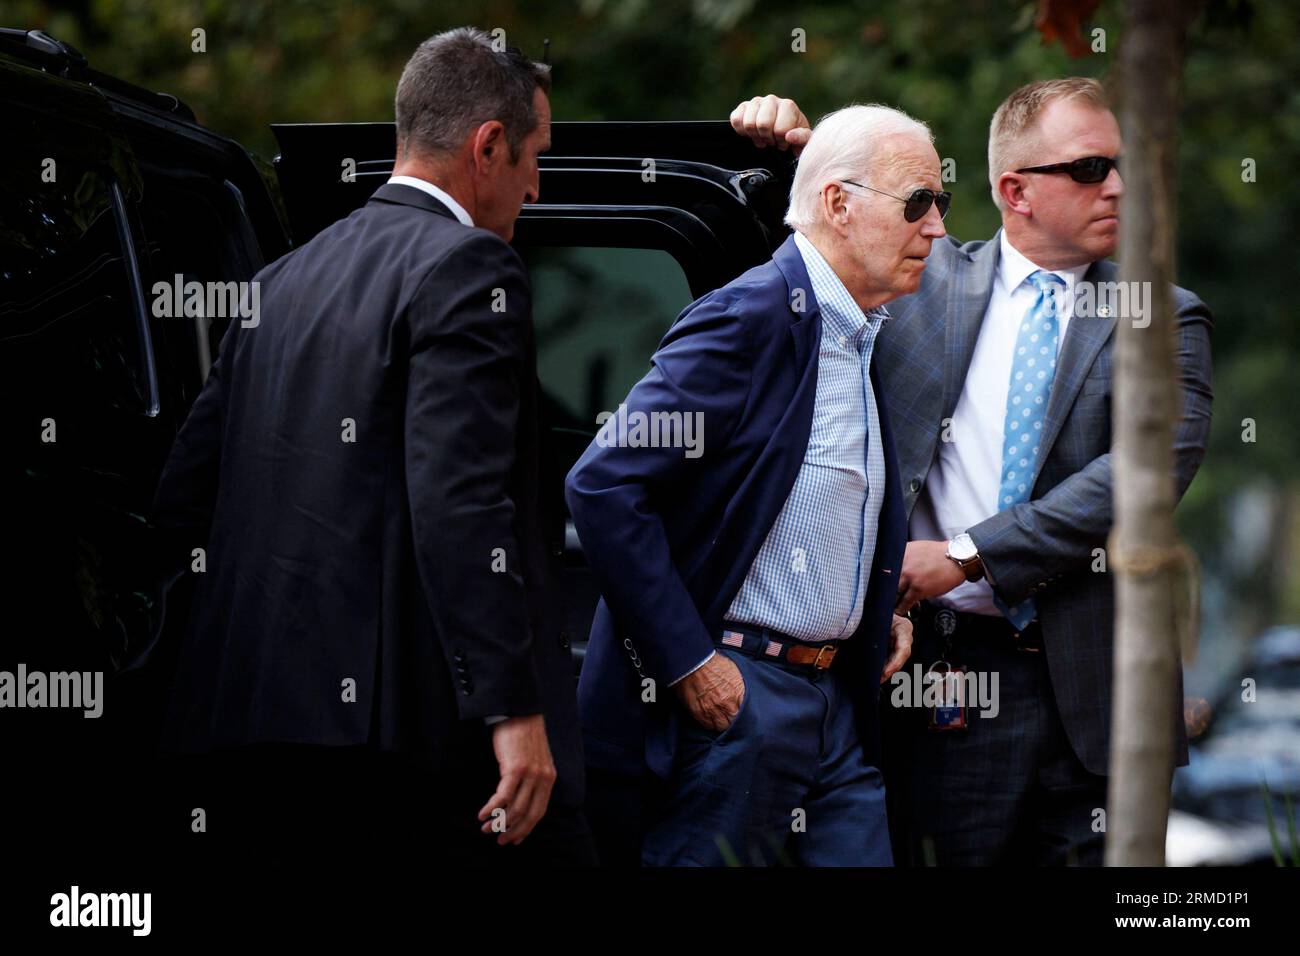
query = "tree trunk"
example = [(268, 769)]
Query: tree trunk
[(1144, 548)]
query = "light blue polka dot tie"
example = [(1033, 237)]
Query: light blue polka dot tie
[(1032, 369)]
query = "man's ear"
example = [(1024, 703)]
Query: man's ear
[(490, 150), (835, 205), (1011, 187)]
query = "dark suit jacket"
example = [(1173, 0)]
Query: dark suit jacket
[(670, 539), (1043, 548), (362, 468)]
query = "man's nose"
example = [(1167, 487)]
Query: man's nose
[(1113, 185), (932, 224)]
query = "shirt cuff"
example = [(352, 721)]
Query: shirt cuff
[(694, 669), (495, 719)]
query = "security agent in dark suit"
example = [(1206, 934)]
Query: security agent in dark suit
[(1000, 569), (371, 643)]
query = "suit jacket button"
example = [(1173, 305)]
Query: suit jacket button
[(915, 484), (564, 640)]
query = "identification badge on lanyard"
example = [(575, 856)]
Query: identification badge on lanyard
[(946, 685)]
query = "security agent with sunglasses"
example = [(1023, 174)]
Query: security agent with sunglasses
[(746, 621), (1001, 401)]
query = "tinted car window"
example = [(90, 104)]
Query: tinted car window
[(66, 308), (193, 228), (600, 313), (80, 450)]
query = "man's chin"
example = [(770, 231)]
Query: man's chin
[(1105, 247), (910, 281)]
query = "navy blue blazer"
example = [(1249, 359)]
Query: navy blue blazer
[(670, 539)]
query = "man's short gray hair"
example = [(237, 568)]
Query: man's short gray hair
[(844, 145), (455, 82)]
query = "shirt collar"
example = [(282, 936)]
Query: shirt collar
[(842, 313), (424, 185), (1014, 268)]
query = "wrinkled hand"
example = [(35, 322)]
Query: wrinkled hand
[(927, 572), (713, 693), (900, 643), (527, 776), (772, 121)]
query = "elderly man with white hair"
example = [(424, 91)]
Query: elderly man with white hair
[(757, 582)]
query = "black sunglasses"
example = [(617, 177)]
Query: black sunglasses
[(1090, 169), (917, 204)]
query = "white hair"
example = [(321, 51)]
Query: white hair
[(844, 145)]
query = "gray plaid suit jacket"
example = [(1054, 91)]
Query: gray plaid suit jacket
[(1042, 548)]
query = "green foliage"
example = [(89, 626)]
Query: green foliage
[(1293, 856)]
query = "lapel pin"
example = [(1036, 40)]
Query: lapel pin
[(1104, 312)]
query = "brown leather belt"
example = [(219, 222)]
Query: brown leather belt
[(766, 644)]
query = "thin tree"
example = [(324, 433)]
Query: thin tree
[(1145, 553)]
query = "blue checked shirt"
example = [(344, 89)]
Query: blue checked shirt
[(809, 579)]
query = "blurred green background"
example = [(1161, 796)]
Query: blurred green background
[(947, 61)]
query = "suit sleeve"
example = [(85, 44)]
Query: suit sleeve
[(471, 327), (702, 366), (1028, 545)]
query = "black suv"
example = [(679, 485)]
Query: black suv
[(108, 190)]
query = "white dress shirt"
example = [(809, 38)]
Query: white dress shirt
[(961, 489), (424, 185)]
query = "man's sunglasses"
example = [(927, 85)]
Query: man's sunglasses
[(1090, 169), (918, 204)]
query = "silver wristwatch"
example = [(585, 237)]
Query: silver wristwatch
[(962, 552)]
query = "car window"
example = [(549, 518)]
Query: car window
[(82, 439), (69, 322), (600, 313), (194, 229)]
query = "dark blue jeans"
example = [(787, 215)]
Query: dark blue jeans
[(785, 783)]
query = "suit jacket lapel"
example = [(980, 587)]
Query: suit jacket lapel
[(1083, 340), (763, 492), (969, 289), (805, 329)]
